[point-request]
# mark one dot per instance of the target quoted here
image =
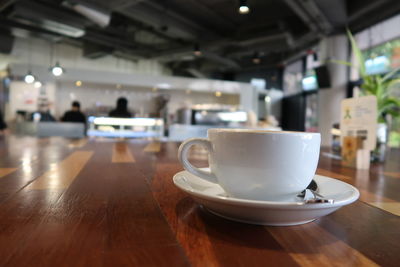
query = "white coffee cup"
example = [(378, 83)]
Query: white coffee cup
[(258, 165)]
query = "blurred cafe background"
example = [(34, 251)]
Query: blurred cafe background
[(171, 69)]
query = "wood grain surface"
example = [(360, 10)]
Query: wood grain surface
[(6, 171), (91, 202)]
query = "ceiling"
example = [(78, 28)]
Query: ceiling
[(168, 30)]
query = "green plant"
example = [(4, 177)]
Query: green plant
[(377, 85)]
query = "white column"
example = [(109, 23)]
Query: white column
[(249, 98), (334, 47)]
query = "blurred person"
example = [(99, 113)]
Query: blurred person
[(121, 111), (75, 114), (3, 124), (43, 114)]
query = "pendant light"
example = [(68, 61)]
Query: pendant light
[(243, 7), (37, 84), (196, 50), (29, 78), (57, 70), (256, 58)]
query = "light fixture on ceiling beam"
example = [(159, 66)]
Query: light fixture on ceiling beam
[(100, 17), (243, 7), (57, 70), (37, 84), (29, 78), (256, 58), (196, 50)]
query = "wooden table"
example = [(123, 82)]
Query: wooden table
[(112, 203)]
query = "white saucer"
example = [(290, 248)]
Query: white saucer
[(292, 212)]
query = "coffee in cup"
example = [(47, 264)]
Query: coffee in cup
[(255, 164)]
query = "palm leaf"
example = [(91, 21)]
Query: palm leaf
[(388, 85), (390, 74), (388, 104), (342, 62), (394, 113), (357, 53), (379, 88), (393, 83), (369, 85)]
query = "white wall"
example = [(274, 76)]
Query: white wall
[(36, 55), (202, 90), (141, 100), (102, 98), (25, 96), (39, 52), (132, 79)]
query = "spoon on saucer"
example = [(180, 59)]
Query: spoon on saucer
[(310, 196)]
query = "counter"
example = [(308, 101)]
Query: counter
[(94, 203), (125, 127), (46, 129)]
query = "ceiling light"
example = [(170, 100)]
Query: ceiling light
[(37, 84), (57, 70), (78, 83), (100, 17), (218, 94), (29, 78), (163, 86), (256, 58), (243, 8), (197, 51)]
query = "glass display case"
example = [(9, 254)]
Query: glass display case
[(125, 127)]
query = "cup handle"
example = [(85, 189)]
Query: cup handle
[(183, 158)]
